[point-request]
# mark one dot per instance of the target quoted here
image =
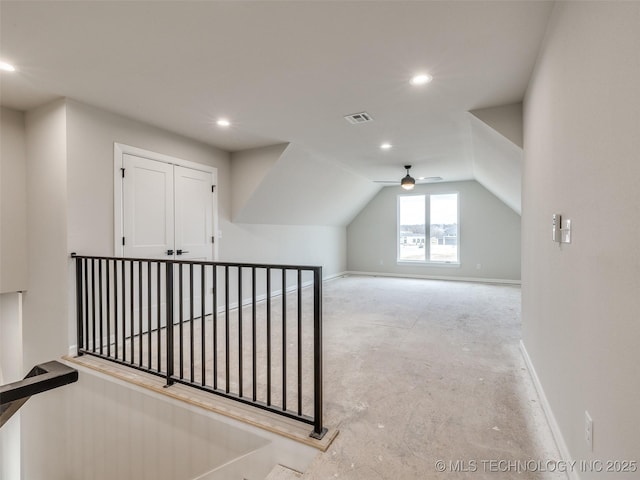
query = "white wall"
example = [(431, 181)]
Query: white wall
[(489, 235), (303, 189), (123, 432), (45, 302), (10, 371), (13, 201), (497, 163), (580, 302), (13, 272), (248, 170), (92, 133)]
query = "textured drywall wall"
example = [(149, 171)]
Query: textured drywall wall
[(580, 301)]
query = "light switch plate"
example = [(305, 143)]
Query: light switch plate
[(566, 231)]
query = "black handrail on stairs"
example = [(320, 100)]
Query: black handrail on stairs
[(41, 378)]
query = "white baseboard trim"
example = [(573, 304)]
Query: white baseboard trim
[(572, 474), (501, 281), (329, 278)]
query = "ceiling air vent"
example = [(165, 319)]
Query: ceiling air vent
[(357, 118)]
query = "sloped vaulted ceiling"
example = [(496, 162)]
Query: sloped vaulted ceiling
[(299, 188)]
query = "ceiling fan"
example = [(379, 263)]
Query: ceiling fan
[(408, 182)]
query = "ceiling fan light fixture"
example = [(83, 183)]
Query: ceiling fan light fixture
[(408, 182)]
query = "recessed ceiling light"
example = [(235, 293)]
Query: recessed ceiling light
[(223, 122), (421, 79), (386, 146), (7, 67)]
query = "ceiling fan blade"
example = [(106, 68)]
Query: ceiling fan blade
[(418, 180), (428, 179)]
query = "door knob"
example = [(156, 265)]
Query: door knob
[(169, 252), (180, 252)]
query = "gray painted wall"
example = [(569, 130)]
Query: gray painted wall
[(489, 234), (300, 188), (45, 328), (13, 201), (580, 302), (93, 131)]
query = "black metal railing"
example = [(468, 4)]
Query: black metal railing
[(248, 332), (40, 378)]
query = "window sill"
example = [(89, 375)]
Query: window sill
[(418, 263)]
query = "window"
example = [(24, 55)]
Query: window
[(440, 213)]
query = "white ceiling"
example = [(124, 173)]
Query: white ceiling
[(284, 72)]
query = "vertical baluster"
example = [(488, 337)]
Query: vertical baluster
[(108, 283), (268, 336), (191, 338), (140, 329), (240, 389), (214, 281), (284, 339), (253, 331), (124, 311), (100, 305), (181, 318), (132, 327), (299, 342), (159, 317), (86, 303), (203, 361), (115, 308), (149, 326), (226, 324), (93, 305)]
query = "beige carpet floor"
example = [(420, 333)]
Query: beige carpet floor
[(419, 372)]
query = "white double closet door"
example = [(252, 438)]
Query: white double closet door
[(167, 210), (167, 213)]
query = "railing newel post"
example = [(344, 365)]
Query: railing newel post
[(169, 322), (79, 306), (318, 430)]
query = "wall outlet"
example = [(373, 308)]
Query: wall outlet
[(588, 430)]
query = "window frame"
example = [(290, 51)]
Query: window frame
[(427, 209)]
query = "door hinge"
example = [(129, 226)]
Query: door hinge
[(213, 239), (122, 170), (213, 188), (122, 240)]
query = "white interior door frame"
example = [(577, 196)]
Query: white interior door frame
[(119, 150)]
